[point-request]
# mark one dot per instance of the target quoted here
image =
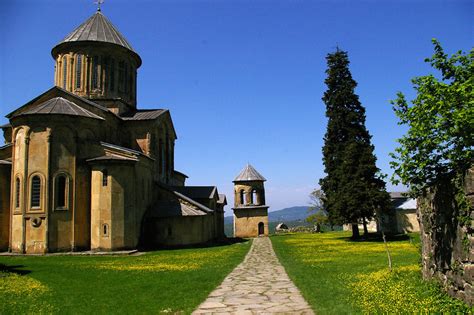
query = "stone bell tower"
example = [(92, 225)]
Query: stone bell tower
[(250, 211)]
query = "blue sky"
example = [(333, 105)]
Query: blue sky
[(244, 79)]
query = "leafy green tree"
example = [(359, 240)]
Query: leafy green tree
[(439, 143), (317, 215), (353, 188)]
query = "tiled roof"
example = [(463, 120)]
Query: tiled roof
[(60, 106), (174, 208), (197, 192), (222, 199), (144, 114), (394, 195), (249, 174), (112, 158), (97, 29)]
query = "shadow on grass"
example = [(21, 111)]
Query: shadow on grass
[(14, 269), (216, 243), (377, 238)]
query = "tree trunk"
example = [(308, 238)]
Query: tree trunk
[(355, 231), (366, 231)]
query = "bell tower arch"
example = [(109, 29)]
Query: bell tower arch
[(250, 210)]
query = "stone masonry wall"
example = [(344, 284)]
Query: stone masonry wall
[(447, 244)]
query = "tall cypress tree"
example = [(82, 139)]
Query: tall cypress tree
[(353, 188)]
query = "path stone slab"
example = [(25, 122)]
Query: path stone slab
[(259, 285)]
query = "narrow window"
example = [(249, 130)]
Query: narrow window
[(167, 157), (105, 230), (61, 191), (242, 197), (126, 79), (106, 71), (78, 71), (130, 80), (64, 72), (105, 179), (95, 70), (112, 75), (162, 157), (17, 193), (121, 75), (170, 231), (35, 191), (254, 197)]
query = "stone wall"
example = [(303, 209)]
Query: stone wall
[(447, 241)]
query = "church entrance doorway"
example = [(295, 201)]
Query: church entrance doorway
[(261, 230)]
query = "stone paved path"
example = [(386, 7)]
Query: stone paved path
[(259, 285)]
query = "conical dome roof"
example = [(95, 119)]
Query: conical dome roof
[(97, 29), (249, 174)]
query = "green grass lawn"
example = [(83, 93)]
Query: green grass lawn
[(166, 281), (338, 276)]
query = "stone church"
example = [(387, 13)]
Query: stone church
[(84, 169)]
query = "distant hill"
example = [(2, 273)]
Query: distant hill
[(293, 216), (289, 214), (299, 213)]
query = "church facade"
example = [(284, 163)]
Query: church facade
[(84, 169)]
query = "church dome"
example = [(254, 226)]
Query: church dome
[(97, 62), (97, 29)]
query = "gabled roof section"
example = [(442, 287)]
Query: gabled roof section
[(56, 91), (197, 192), (249, 174), (112, 158), (144, 114), (59, 106), (222, 199), (175, 208), (193, 202), (97, 29), (401, 201), (150, 115)]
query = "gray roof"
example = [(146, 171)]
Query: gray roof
[(112, 158), (8, 125), (249, 174), (222, 199), (174, 208), (5, 162), (98, 29), (120, 148), (144, 114), (394, 195), (197, 192), (59, 106)]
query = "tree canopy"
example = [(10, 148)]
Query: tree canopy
[(353, 187), (439, 142)]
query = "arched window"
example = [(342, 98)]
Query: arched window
[(78, 71), (242, 201), (95, 72), (112, 75), (64, 72), (105, 230), (35, 192), (17, 192), (61, 191), (161, 159), (105, 179), (254, 197), (126, 79), (121, 76)]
